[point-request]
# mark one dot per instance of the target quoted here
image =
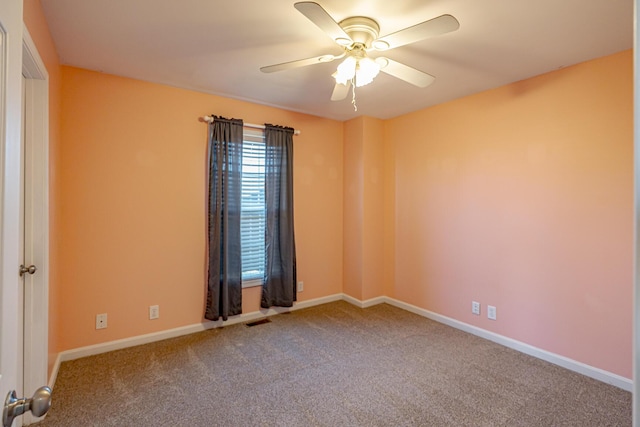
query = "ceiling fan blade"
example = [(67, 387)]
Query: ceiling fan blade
[(316, 14), (299, 63), (433, 27), (404, 72), (340, 91)]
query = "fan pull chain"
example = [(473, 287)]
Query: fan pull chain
[(353, 92)]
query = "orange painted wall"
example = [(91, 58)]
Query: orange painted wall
[(133, 171), (364, 212), (389, 209), (373, 218), (521, 197), (353, 207), (36, 24)]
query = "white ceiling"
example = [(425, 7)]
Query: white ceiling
[(218, 47)]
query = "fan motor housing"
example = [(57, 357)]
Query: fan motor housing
[(361, 29)]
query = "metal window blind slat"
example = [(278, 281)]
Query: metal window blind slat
[(252, 220)]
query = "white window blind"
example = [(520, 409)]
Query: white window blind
[(253, 211)]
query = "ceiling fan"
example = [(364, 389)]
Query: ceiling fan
[(358, 36)]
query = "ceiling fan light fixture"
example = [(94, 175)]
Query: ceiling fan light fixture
[(346, 70), (358, 35), (363, 69), (366, 70)]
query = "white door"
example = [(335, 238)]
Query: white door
[(23, 362), (35, 240), (10, 166)]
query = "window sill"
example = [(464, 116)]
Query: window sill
[(251, 283)]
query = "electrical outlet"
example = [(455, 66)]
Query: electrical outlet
[(300, 286), (475, 308), (101, 321), (154, 312), (491, 312)]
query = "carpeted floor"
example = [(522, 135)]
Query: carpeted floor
[(330, 365)]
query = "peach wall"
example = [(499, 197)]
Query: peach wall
[(373, 218), (353, 207), (364, 213), (389, 208), (521, 197), (133, 171), (38, 29)]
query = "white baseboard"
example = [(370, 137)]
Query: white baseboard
[(573, 365), (363, 304), (556, 359), (176, 332)]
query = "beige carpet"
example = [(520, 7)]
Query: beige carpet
[(330, 365)]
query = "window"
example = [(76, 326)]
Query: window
[(253, 210)]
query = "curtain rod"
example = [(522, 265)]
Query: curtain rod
[(209, 119)]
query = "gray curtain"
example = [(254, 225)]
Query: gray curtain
[(279, 288), (224, 283)]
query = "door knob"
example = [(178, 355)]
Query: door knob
[(31, 269), (39, 404)]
